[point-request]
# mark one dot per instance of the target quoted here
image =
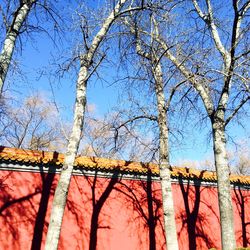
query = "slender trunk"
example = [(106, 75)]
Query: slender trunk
[(61, 193), (9, 44), (224, 190), (165, 173)]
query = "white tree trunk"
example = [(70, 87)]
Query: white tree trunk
[(224, 190), (60, 197), (9, 44), (61, 193), (165, 173), (164, 165)]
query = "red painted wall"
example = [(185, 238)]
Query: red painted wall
[(115, 214)]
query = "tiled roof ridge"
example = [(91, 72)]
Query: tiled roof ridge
[(45, 157)]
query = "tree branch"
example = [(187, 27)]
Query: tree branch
[(209, 20), (131, 120), (236, 110), (95, 68), (197, 84), (172, 93)]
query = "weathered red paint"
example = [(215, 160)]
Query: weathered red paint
[(116, 214)]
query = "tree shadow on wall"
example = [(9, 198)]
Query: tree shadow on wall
[(100, 192), (47, 189), (16, 210), (97, 205), (137, 195), (141, 196), (19, 208), (194, 219), (241, 199)]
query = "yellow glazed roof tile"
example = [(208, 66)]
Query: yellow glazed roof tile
[(42, 157)]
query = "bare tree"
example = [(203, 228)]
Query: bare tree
[(31, 124), (149, 52), (87, 68), (240, 159), (102, 139), (242, 166), (222, 84)]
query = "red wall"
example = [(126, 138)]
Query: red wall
[(115, 214)]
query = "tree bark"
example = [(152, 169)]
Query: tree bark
[(164, 165), (61, 192), (9, 44), (165, 172), (224, 189)]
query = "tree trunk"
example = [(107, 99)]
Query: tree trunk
[(224, 190), (165, 173), (61, 193), (9, 44)]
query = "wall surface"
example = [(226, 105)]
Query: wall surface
[(113, 213)]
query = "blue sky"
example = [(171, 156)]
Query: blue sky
[(196, 146)]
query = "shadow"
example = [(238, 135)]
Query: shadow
[(97, 205), (191, 214), (47, 189), (240, 201), (151, 221), (19, 202), (94, 191), (16, 209), (12, 202), (145, 202), (192, 217)]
